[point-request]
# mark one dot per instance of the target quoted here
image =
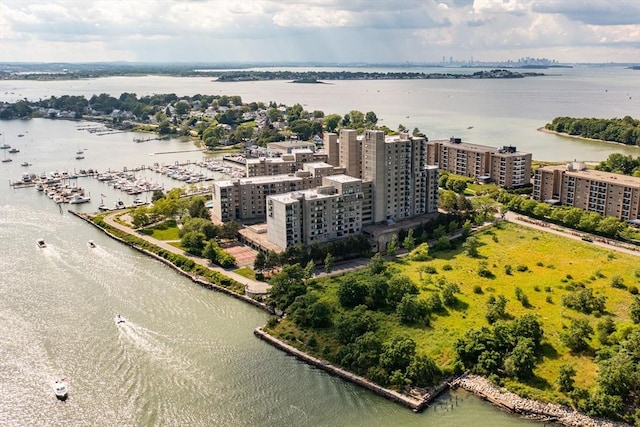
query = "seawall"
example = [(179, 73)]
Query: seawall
[(417, 403), (194, 277), (528, 408)]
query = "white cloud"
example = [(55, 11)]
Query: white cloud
[(317, 30)]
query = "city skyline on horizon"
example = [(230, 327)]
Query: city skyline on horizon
[(319, 31)]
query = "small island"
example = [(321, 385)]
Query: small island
[(624, 131)]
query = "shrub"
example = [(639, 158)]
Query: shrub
[(447, 267), (507, 270), (522, 268), (633, 290), (617, 282), (477, 289)]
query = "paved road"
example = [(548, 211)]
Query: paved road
[(613, 245), (251, 286)]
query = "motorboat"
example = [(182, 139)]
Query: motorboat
[(120, 204), (5, 147), (91, 244), (119, 319), (78, 199), (138, 202), (61, 388), (103, 207), (79, 157), (14, 150), (25, 164), (41, 243)]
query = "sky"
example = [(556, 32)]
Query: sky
[(319, 31)]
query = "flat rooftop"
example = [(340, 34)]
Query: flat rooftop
[(616, 178)]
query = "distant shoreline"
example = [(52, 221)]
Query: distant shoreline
[(566, 135)]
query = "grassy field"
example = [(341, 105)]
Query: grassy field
[(554, 267), (544, 266), (168, 230), (246, 272)]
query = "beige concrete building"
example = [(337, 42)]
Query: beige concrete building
[(505, 166), (243, 199), (329, 212), (350, 152), (285, 164), (287, 147), (403, 186), (606, 193), (332, 148)]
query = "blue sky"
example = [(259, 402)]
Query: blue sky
[(318, 31)]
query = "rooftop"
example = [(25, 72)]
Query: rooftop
[(596, 175)]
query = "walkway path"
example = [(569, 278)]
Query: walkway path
[(251, 286), (569, 233)]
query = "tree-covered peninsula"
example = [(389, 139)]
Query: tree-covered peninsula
[(625, 131)]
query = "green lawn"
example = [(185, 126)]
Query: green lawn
[(554, 265), (246, 272), (167, 230)]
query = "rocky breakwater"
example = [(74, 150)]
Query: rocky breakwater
[(528, 408)]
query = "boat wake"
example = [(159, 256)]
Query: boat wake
[(137, 337)]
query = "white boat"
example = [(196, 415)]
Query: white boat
[(120, 204), (79, 157), (137, 202), (25, 164), (61, 388), (119, 319), (41, 243), (91, 244), (78, 199), (5, 146), (14, 150)]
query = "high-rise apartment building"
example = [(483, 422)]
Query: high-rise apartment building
[(403, 186), (606, 193), (505, 166), (350, 152)]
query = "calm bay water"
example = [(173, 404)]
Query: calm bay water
[(188, 355)]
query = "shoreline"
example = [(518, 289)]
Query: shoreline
[(528, 408), (566, 135), (418, 399)]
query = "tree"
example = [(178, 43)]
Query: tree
[(634, 311), (331, 122), (181, 108), (193, 242), (286, 286), (392, 247), (397, 353), (352, 325), (423, 371), (352, 293), (376, 264), (399, 286), (565, 380), (309, 311), (410, 310), (618, 375), (409, 242), (328, 263), (522, 360), (576, 336), (471, 246), (259, 261)]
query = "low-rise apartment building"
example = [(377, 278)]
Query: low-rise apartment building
[(574, 185), (505, 166), (243, 199), (285, 164), (329, 212)]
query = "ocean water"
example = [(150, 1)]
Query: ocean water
[(188, 356)]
